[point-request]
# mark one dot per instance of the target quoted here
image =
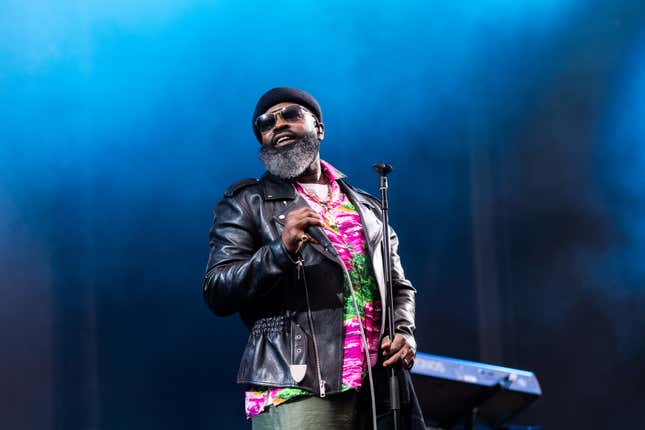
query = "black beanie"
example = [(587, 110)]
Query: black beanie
[(281, 95)]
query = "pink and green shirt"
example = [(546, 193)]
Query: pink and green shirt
[(343, 227)]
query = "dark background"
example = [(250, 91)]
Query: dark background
[(515, 128)]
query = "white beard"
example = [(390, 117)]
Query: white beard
[(290, 161)]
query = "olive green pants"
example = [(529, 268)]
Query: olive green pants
[(336, 412)]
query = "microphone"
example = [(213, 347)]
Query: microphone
[(316, 233), (382, 168)]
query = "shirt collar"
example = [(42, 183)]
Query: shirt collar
[(332, 173)]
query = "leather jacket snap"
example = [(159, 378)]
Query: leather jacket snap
[(293, 306)]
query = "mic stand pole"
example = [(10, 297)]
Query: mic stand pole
[(393, 380)]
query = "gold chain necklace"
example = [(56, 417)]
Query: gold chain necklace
[(326, 205)]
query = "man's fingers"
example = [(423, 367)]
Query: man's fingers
[(405, 356), (300, 228), (399, 342), (395, 358), (385, 344), (398, 351), (390, 361), (408, 360), (295, 228)]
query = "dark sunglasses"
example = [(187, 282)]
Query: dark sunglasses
[(291, 113)]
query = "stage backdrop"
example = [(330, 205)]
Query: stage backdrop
[(515, 130)]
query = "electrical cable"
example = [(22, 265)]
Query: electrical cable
[(365, 346)]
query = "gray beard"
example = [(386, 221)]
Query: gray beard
[(290, 161)]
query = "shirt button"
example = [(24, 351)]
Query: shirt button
[(281, 217)]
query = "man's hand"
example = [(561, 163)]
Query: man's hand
[(293, 234), (398, 351)]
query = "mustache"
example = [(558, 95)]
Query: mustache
[(279, 150)]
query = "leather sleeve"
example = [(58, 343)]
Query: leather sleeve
[(404, 296), (239, 270)]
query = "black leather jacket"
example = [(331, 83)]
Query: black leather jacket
[(295, 340)]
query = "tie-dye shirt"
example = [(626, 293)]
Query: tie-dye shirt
[(342, 224)]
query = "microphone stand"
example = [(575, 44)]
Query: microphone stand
[(393, 380)]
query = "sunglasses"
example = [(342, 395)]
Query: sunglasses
[(291, 113)]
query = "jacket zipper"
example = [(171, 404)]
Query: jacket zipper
[(321, 381)]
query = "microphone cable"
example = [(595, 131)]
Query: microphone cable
[(365, 346)]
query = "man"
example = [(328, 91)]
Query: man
[(310, 304)]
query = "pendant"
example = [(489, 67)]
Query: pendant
[(330, 218)]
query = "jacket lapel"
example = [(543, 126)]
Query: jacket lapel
[(373, 231)]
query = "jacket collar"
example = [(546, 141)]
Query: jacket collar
[(275, 188)]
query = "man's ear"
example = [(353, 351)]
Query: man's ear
[(321, 130)]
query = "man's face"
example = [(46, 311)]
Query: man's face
[(291, 146), (289, 132)]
